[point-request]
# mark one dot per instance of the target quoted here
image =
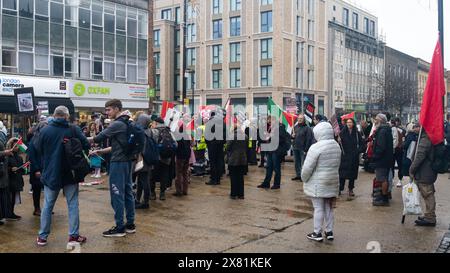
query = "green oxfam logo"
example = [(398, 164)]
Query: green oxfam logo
[(79, 89)]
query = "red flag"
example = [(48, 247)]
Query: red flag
[(349, 116), (166, 106), (432, 111)]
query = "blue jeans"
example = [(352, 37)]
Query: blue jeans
[(121, 190), (299, 158), (273, 164), (50, 197)]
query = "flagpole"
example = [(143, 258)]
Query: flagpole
[(441, 38)]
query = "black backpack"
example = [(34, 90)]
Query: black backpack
[(285, 141), (166, 144), (135, 138), (151, 151), (75, 158), (440, 160)]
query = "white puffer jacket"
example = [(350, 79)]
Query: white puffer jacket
[(321, 168)]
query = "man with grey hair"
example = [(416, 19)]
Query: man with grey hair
[(57, 175), (383, 155)]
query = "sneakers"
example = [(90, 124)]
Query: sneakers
[(77, 239), (424, 223), (41, 242), (98, 176), (114, 232), (329, 236), (317, 237), (130, 228), (13, 218)]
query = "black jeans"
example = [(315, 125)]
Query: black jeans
[(143, 185), (398, 157), (36, 186), (237, 180), (216, 161), (273, 165), (161, 172), (351, 184)]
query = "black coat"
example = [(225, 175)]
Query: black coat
[(351, 147), (15, 178), (383, 147)]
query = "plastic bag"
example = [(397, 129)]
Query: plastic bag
[(411, 200)]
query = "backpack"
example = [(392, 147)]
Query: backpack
[(75, 157), (135, 138), (440, 160), (166, 144), (285, 142), (151, 151)]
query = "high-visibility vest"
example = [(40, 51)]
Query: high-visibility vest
[(201, 144), (250, 143)]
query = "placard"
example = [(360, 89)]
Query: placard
[(25, 103)]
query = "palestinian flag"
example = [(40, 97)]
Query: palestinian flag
[(165, 108), (22, 147), (286, 118)]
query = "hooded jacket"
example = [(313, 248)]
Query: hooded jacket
[(421, 165), (383, 147), (321, 167)]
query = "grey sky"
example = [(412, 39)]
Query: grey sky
[(410, 26)]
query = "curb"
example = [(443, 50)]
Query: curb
[(444, 247)]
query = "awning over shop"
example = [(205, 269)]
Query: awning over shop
[(8, 105)]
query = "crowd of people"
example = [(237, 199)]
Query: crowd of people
[(325, 158)]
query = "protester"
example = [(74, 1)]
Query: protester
[(352, 146), (398, 150), (424, 176), (278, 132), (56, 174), (409, 148), (143, 176), (303, 139), (16, 169), (252, 143), (237, 161), (383, 155), (263, 129), (215, 143), (120, 183), (321, 177), (162, 136), (5, 204), (199, 166), (183, 156)]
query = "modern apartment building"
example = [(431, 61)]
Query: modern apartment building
[(246, 50), (355, 59), (79, 53)]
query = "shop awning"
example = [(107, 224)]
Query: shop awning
[(8, 105)]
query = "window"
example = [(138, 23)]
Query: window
[(235, 52), (266, 49), (217, 79), (131, 73), (121, 21), (311, 29), (311, 79), (26, 65), (177, 15), (311, 7), (156, 37), (57, 65), (158, 82), (41, 57), (266, 75), (157, 57), (191, 33), (177, 38), (97, 15), (311, 55), (321, 107), (84, 18), (235, 26), (9, 61), (300, 49), (178, 60), (235, 78), (26, 8), (235, 5), (345, 17), (56, 13), (109, 23), (166, 14), (120, 68), (191, 81), (366, 26), (217, 6), (10, 4), (217, 29), (299, 78), (372, 28), (355, 21), (266, 2), (131, 27), (266, 21), (84, 68), (299, 26), (217, 54), (191, 56), (109, 71)]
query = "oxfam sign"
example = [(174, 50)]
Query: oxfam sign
[(79, 89)]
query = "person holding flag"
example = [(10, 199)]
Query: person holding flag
[(16, 169), (431, 135)]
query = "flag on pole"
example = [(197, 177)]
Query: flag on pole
[(432, 111), (286, 118), (22, 147), (349, 116), (165, 107)]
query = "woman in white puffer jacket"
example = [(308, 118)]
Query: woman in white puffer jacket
[(321, 179)]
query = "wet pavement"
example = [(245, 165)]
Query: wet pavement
[(209, 221)]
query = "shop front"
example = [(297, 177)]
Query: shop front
[(49, 93), (89, 97)]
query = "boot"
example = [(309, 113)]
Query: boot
[(162, 196)]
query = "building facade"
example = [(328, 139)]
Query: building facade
[(355, 59), (247, 51), (423, 68), (85, 51)]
